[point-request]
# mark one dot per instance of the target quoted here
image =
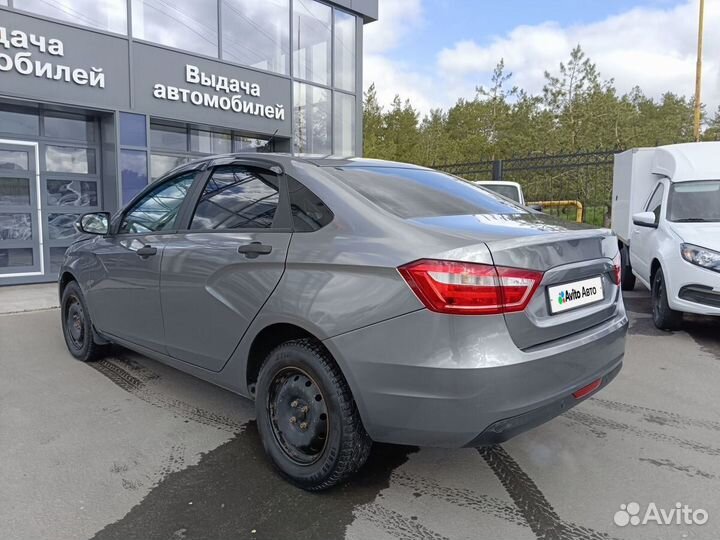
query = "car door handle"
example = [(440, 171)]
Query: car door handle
[(255, 249), (146, 251)]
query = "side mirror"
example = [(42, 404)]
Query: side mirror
[(536, 207), (645, 219), (94, 223)]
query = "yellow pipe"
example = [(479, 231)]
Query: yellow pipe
[(560, 204)]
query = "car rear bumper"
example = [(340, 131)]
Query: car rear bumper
[(435, 380)]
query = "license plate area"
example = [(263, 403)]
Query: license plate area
[(575, 294)]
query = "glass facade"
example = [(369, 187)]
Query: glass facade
[(344, 55), (311, 114), (257, 34), (312, 32), (109, 15), (190, 25), (344, 125)]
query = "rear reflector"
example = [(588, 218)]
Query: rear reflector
[(587, 390), (470, 289)]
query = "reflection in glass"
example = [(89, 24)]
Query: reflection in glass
[(110, 15), (14, 160), (19, 123), (344, 125), (13, 257), (134, 173), (14, 192), (210, 143), (76, 128), (158, 210), (70, 160), (57, 256), (62, 226), (191, 25), (168, 137), (161, 164), (71, 193), (236, 199), (132, 129), (15, 226), (344, 51), (311, 41), (311, 116), (257, 33), (249, 144)]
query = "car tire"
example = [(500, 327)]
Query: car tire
[(627, 278), (664, 317), (77, 326), (308, 421)]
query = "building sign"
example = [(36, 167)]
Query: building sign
[(219, 92), (22, 61), (51, 61), (176, 86)]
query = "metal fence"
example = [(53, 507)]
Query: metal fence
[(585, 177)]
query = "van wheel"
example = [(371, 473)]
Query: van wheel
[(627, 278), (663, 317), (308, 421), (77, 325)]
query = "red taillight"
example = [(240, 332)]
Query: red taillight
[(470, 289), (617, 268)]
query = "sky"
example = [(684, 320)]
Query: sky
[(436, 51)]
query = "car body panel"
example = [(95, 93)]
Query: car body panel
[(225, 289), (418, 377), (123, 289)]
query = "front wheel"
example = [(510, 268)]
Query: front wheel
[(77, 325), (664, 317), (308, 421)]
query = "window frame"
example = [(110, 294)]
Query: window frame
[(660, 187), (282, 222), (182, 213)]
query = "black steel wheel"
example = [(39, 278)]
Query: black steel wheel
[(77, 325), (664, 317), (308, 421), (298, 415)]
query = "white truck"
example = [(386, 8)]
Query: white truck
[(509, 190), (666, 214)]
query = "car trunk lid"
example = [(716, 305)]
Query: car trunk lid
[(569, 255)]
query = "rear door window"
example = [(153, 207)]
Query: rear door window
[(417, 193), (234, 198)]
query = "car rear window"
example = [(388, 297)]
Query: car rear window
[(417, 193)]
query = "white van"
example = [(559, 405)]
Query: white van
[(666, 214)]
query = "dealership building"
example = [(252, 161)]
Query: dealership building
[(100, 97)]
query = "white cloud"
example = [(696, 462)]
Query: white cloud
[(653, 48)]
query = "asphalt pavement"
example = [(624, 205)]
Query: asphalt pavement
[(127, 448)]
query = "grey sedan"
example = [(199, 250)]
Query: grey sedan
[(354, 300)]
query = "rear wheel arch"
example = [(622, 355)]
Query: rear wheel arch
[(268, 339)]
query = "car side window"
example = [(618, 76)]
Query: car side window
[(655, 202), (309, 213), (158, 210), (235, 197)]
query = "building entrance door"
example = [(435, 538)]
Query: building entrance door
[(21, 235)]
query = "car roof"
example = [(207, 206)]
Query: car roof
[(283, 158)]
